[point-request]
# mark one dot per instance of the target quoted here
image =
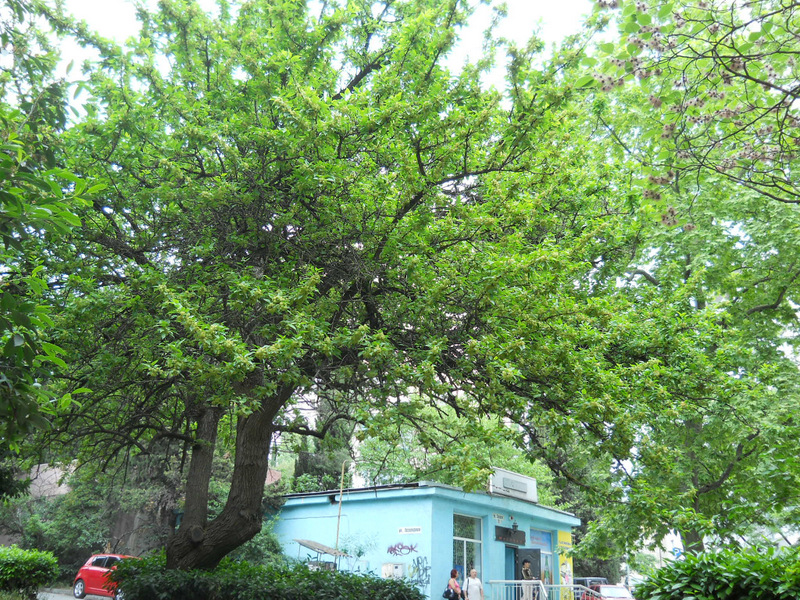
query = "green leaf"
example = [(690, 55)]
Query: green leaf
[(52, 349)]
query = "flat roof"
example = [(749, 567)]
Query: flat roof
[(419, 484)]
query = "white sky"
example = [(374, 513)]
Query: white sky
[(554, 19)]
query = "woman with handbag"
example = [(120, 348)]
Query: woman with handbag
[(453, 590)]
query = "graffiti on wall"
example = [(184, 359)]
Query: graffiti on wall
[(419, 573), (401, 549)]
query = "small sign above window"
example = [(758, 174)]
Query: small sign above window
[(541, 539), (409, 530)]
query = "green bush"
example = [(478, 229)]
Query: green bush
[(148, 579), (741, 574), (25, 571)]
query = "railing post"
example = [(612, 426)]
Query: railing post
[(507, 589)]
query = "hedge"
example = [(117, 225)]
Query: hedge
[(741, 574), (148, 579), (25, 571)]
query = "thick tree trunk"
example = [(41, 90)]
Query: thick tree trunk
[(201, 545)]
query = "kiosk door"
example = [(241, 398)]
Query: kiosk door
[(511, 560), (532, 554)]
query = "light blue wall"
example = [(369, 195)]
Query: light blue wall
[(375, 525), (374, 529)]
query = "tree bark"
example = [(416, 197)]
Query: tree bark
[(200, 465), (199, 544)]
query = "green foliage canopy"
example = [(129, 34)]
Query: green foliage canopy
[(37, 199), (710, 129), (309, 204)]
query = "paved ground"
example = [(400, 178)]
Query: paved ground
[(60, 594), (64, 594)]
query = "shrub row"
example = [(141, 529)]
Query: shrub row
[(148, 579), (25, 571), (741, 574)]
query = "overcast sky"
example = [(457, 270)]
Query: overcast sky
[(554, 18)]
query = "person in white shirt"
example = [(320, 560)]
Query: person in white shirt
[(473, 586)]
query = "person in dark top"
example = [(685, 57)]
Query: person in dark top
[(527, 575)]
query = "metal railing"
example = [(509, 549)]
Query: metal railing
[(509, 589)]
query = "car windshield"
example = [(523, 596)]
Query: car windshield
[(615, 592)]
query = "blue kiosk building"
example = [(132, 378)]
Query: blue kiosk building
[(420, 531)]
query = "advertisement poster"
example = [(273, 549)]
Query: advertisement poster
[(565, 563)]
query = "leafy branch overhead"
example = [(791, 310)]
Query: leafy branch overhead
[(721, 79), (303, 206), (38, 199)]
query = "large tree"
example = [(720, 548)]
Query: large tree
[(307, 205), (699, 100), (715, 298), (311, 206)]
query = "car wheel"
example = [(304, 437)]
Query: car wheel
[(119, 595), (79, 589)]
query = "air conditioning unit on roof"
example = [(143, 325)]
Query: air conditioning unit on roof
[(513, 485)]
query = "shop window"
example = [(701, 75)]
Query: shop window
[(467, 545)]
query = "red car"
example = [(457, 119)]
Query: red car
[(92, 577), (609, 592)]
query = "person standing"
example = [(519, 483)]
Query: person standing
[(453, 585), (527, 584), (473, 586)]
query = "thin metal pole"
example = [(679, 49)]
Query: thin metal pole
[(339, 518)]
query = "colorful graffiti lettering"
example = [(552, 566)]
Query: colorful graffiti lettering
[(419, 574), (401, 549)]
